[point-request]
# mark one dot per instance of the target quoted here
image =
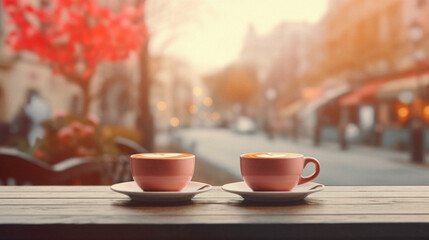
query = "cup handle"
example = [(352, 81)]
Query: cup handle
[(307, 160)]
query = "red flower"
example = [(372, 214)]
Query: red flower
[(76, 126), (70, 136), (65, 134), (39, 154)]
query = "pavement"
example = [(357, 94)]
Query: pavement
[(359, 165)]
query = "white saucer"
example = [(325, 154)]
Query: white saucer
[(298, 193), (132, 190)]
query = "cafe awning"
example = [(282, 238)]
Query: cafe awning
[(291, 109), (327, 96), (393, 89), (362, 94)]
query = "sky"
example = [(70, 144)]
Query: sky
[(213, 35)]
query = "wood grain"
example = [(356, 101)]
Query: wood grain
[(11, 192), (95, 212)]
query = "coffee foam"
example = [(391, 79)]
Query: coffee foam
[(269, 155), (162, 155)]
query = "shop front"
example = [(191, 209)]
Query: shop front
[(404, 102), (319, 118), (359, 110)]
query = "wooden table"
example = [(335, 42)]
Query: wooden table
[(95, 212)]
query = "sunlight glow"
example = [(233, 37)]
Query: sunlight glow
[(220, 29), (197, 91)]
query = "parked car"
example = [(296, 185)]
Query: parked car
[(244, 125)]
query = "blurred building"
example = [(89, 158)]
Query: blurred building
[(360, 40), (277, 58), (114, 86), (280, 48), (172, 100), (369, 45), (116, 89), (22, 72)]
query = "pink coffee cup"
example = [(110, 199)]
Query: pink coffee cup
[(275, 171), (162, 171)]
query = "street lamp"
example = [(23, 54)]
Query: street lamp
[(415, 34)]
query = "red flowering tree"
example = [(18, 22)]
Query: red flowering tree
[(73, 36)]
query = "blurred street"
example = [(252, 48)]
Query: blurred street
[(359, 165)]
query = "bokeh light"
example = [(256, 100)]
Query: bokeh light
[(215, 116), (208, 101), (403, 112), (193, 109), (174, 122), (161, 106), (426, 112)]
